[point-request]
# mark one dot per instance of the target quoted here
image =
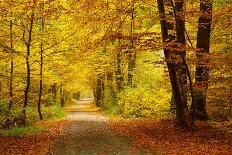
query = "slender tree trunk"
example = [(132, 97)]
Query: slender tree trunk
[(99, 90), (118, 72), (28, 82), (132, 53), (172, 66), (54, 92), (202, 69), (0, 88), (11, 66), (118, 60), (41, 68), (62, 101), (110, 86), (40, 84)]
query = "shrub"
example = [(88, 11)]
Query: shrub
[(8, 118), (142, 102), (54, 111)]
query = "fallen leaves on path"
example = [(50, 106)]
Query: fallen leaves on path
[(162, 137), (34, 144)]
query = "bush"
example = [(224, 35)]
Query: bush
[(50, 112), (55, 111), (8, 118), (142, 102)]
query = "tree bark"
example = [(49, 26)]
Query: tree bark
[(11, 65), (41, 68), (178, 8), (118, 72), (28, 82), (99, 90), (118, 60), (132, 53), (202, 69), (110, 86), (62, 96), (172, 67)]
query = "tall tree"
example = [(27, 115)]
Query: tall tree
[(184, 71), (170, 56), (41, 63), (11, 65), (28, 46), (132, 53), (202, 69)]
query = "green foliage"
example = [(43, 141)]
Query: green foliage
[(50, 112), (150, 94), (17, 131), (140, 102), (10, 117), (6, 114), (54, 111), (221, 3)]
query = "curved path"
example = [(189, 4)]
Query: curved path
[(89, 134)]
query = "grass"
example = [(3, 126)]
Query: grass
[(33, 124), (21, 131)]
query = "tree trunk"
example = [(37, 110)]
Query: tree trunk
[(118, 62), (172, 67), (11, 65), (41, 68), (118, 72), (99, 90), (110, 86), (62, 101), (179, 15), (202, 69), (132, 53), (28, 82), (54, 92)]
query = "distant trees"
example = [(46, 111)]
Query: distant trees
[(29, 51)]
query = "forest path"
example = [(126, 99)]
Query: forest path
[(89, 134)]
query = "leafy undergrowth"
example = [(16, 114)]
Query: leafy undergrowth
[(38, 144), (21, 131), (163, 138)]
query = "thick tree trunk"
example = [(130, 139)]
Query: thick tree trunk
[(11, 66), (172, 67), (202, 69), (179, 14)]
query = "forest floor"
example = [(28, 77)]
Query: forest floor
[(87, 131)]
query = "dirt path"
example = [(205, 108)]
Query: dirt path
[(90, 134)]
